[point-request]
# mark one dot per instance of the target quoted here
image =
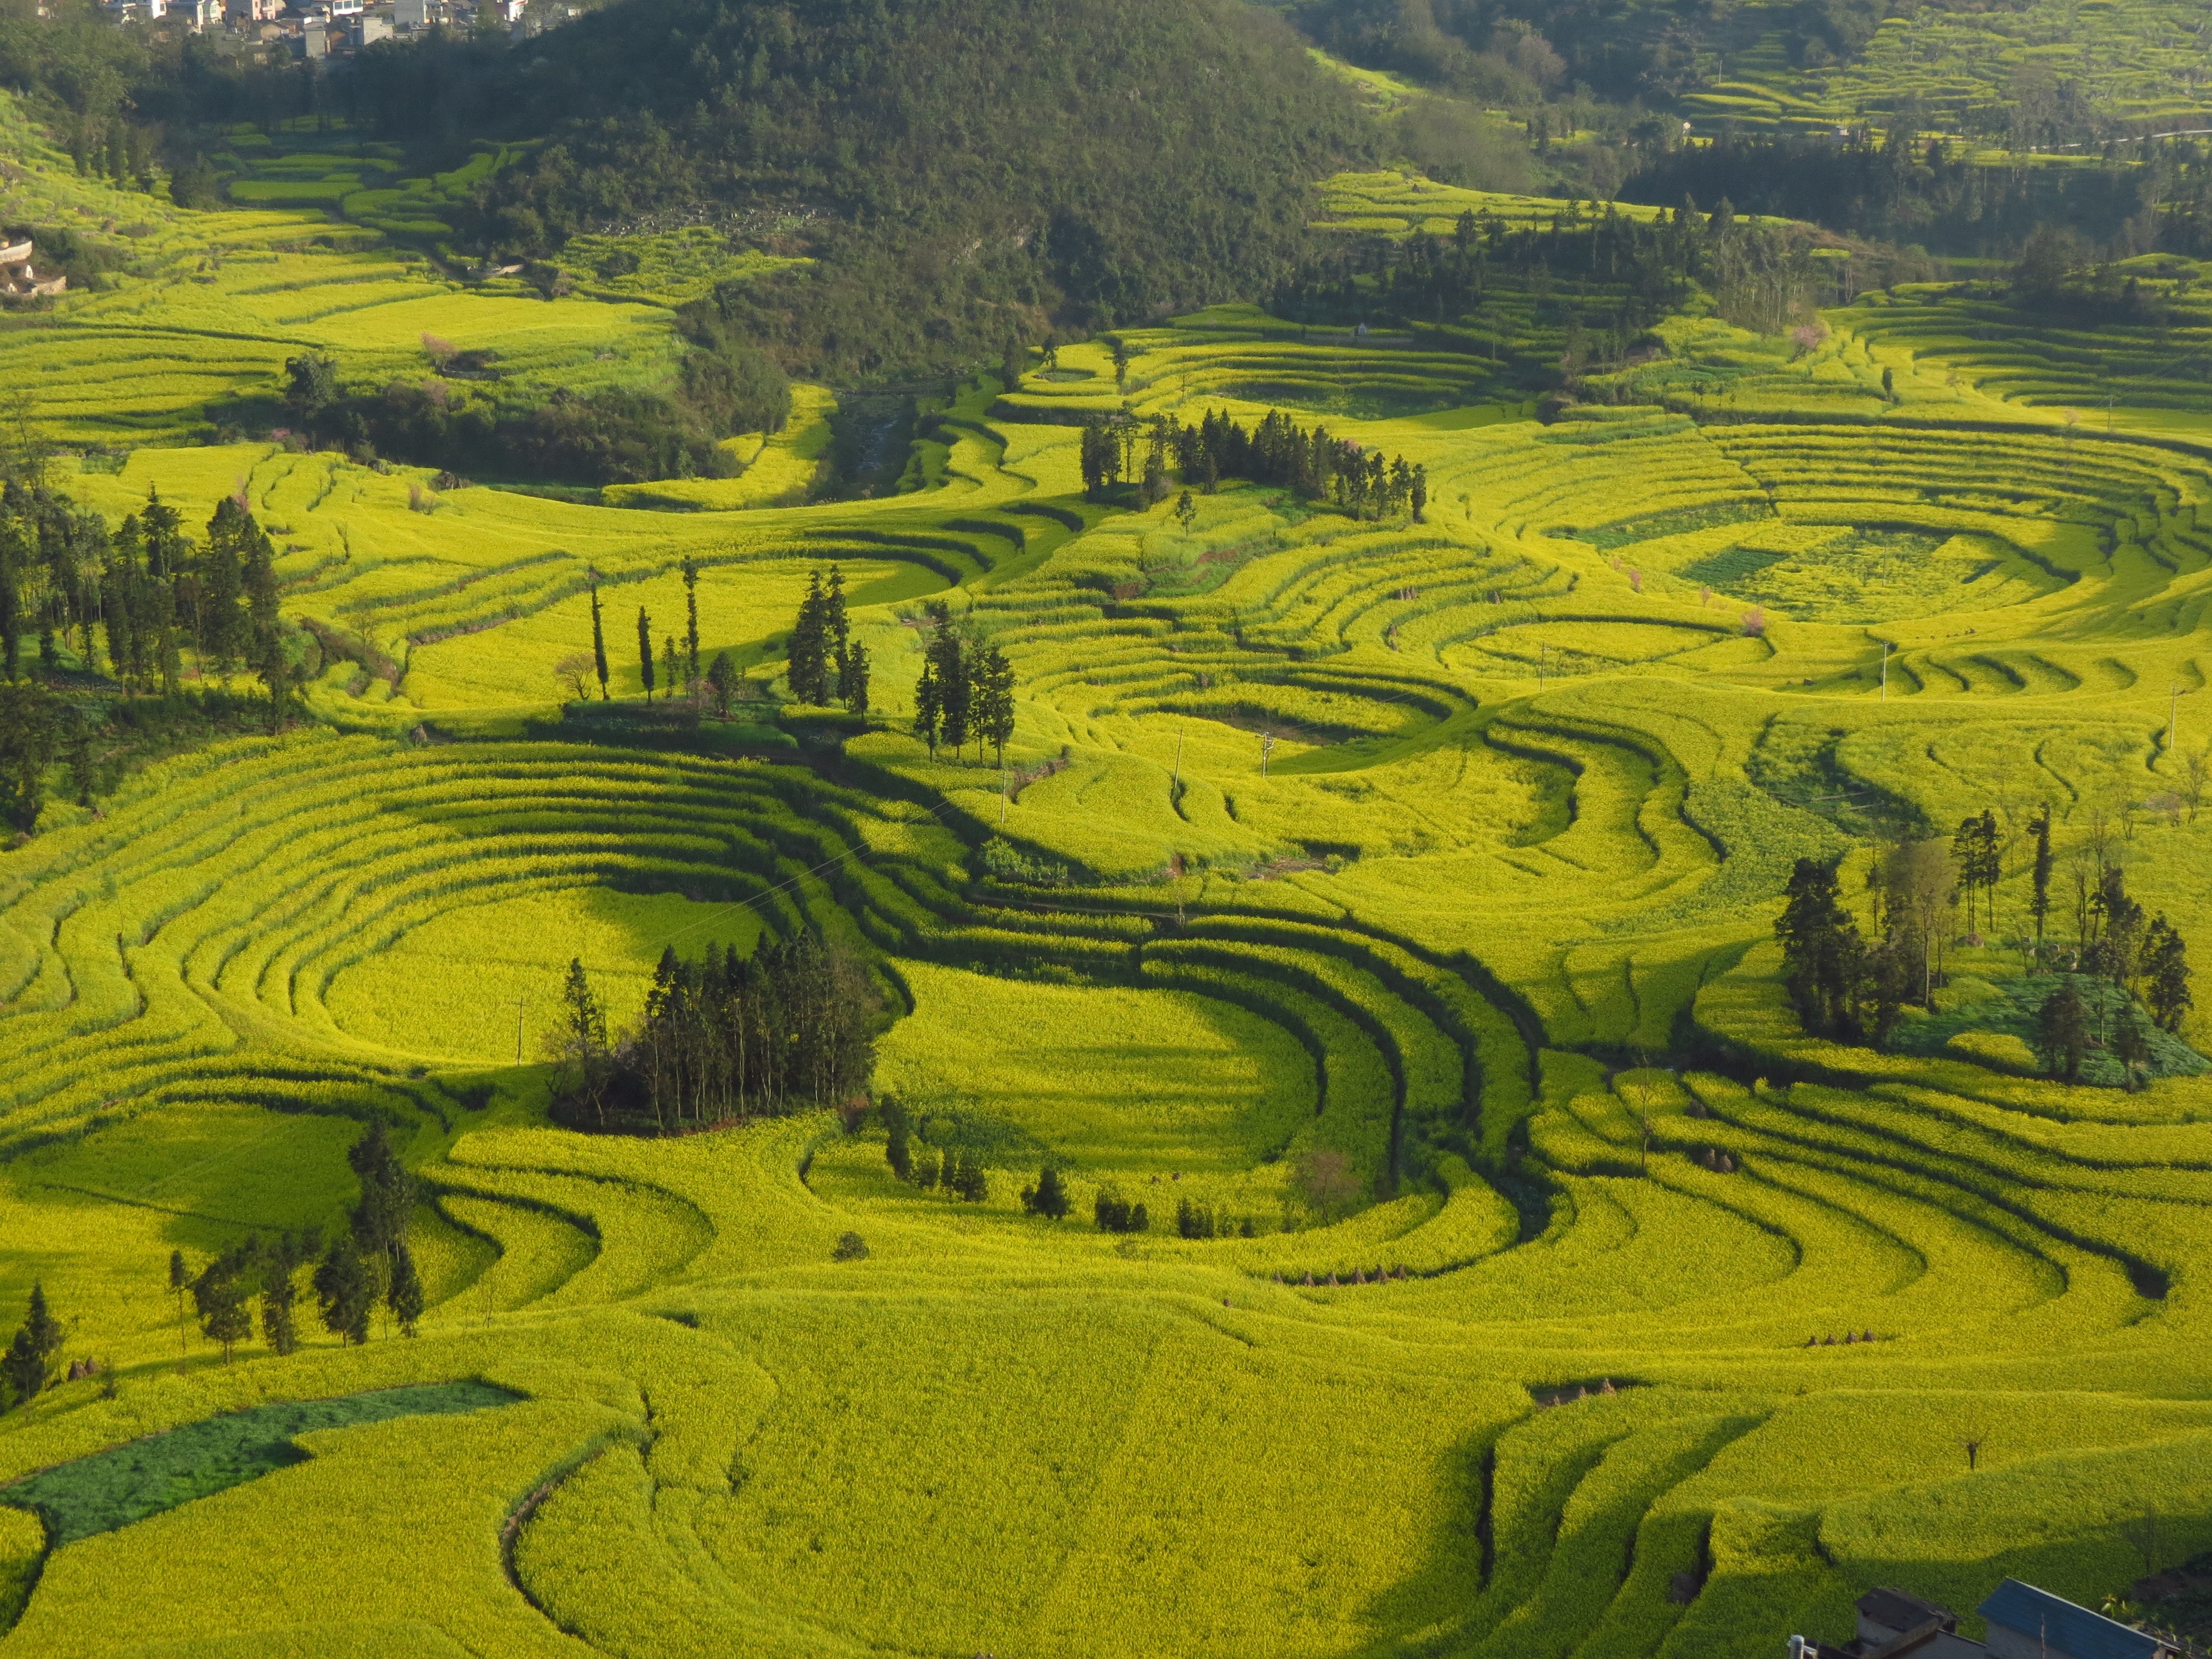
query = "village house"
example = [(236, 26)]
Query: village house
[(21, 278), (2024, 1623)]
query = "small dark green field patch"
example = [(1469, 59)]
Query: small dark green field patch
[(2011, 1011), (128, 1483)]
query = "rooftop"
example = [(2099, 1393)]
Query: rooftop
[(2077, 1630)]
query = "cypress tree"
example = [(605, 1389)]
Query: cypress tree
[(808, 669), (669, 666), (853, 679), (280, 1291), (405, 1295), (599, 642), (928, 705), (836, 635), (691, 613), (645, 651)]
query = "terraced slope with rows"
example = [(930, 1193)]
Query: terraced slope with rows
[(1449, 849)]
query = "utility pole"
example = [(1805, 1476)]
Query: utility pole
[(1178, 766), (1885, 671), (1541, 649), (2172, 708), (520, 1003), (1267, 748), (1004, 788)]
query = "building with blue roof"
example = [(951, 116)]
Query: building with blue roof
[(2026, 1623)]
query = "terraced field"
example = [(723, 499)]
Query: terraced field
[(1441, 854)]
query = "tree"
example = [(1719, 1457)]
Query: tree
[(599, 642), (2061, 1031), (995, 699), (280, 1290), (28, 1361), (850, 1247), (2166, 965), (1328, 1179), (807, 670), (584, 1041), (179, 1278), (690, 568), (671, 674), (1822, 955), (1919, 882), (645, 651), (2131, 1045), (1048, 1197), (2197, 778), (837, 636), (852, 681), (722, 681), (405, 1296), (30, 737), (220, 1294), (928, 705), (385, 1209), (345, 1292), (898, 1149), (2038, 904), (311, 387), (574, 672)]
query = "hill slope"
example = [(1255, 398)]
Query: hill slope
[(987, 168)]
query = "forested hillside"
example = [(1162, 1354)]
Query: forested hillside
[(964, 174)]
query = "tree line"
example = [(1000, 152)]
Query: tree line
[(729, 1037), (367, 1265), (1311, 462), (128, 603), (966, 687), (619, 435)]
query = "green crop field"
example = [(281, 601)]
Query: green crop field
[(1385, 904)]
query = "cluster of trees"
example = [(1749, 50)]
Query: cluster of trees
[(1115, 1214), (142, 592), (129, 603), (1048, 1197), (966, 689), (28, 1363), (367, 1265), (1311, 461), (619, 435), (1194, 1220), (1845, 985), (1891, 187), (826, 664), (728, 1036), (959, 1171)]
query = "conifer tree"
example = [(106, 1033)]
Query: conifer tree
[(692, 614), (220, 1297), (645, 651), (222, 585), (179, 1278), (837, 636), (2166, 965), (995, 699), (405, 1295), (27, 1364), (808, 669), (928, 705), (853, 679), (599, 642), (2061, 1031), (2130, 1047), (669, 675), (280, 1291), (1048, 1197), (343, 1289)]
